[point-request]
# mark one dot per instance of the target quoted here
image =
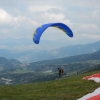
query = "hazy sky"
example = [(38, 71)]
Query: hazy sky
[(19, 19)]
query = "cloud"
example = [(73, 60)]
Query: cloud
[(92, 36), (53, 17), (4, 30), (3, 47), (48, 13), (90, 27), (45, 12), (8, 3), (40, 8), (87, 29), (81, 3), (5, 18), (21, 18), (22, 21), (96, 15)]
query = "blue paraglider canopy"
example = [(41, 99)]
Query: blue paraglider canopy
[(38, 32)]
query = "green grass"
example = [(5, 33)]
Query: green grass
[(70, 88)]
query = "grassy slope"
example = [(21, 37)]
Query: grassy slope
[(62, 89)]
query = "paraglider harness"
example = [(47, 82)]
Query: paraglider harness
[(60, 71)]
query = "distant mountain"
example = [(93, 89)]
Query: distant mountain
[(67, 60), (6, 64), (44, 52), (76, 50)]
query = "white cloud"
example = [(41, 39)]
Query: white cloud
[(4, 30), (40, 8), (23, 23), (48, 13), (96, 15), (5, 18), (53, 16), (87, 28), (19, 19), (90, 27), (91, 36), (82, 16)]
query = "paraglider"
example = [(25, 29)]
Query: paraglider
[(60, 72), (38, 32), (94, 77), (92, 96)]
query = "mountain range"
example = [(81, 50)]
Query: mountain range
[(43, 52), (12, 63), (15, 72)]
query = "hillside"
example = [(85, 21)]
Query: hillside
[(14, 72), (70, 88)]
